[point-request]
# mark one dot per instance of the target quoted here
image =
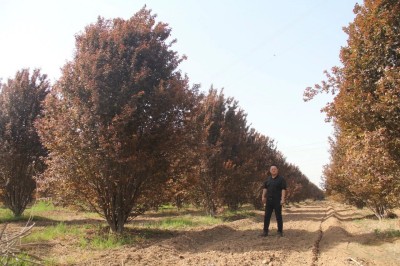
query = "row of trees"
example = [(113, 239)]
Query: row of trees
[(122, 131), (365, 150)]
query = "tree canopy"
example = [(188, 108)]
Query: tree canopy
[(21, 152), (112, 120), (365, 151)]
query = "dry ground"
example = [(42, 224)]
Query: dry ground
[(315, 233)]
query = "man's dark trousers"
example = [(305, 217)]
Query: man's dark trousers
[(273, 205)]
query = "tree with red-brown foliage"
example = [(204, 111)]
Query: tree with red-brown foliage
[(261, 154), (21, 152), (210, 118), (365, 151), (113, 120)]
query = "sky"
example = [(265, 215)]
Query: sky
[(264, 53)]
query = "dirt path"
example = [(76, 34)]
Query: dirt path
[(315, 233), (352, 238)]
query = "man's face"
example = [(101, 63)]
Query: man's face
[(273, 170)]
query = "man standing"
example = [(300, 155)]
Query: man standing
[(274, 192)]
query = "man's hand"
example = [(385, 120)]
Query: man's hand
[(264, 196), (282, 202)]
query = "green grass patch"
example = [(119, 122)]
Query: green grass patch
[(177, 220), (389, 233), (7, 216), (101, 238), (108, 241), (60, 230), (89, 236), (20, 260), (41, 206), (181, 222), (236, 215)]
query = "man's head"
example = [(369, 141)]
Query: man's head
[(273, 170)]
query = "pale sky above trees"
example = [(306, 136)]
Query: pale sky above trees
[(264, 54)]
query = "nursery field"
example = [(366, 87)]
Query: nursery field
[(315, 233)]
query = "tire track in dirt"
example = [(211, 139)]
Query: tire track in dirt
[(316, 248), (336, 239), (332, 234)]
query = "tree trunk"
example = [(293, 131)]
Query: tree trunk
[(17, 198)]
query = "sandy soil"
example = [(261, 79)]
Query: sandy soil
[(315, 233)]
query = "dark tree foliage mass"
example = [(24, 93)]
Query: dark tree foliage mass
[(114, 118), (21, 152)]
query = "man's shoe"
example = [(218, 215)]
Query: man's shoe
[(264, 234), (280, 234)]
